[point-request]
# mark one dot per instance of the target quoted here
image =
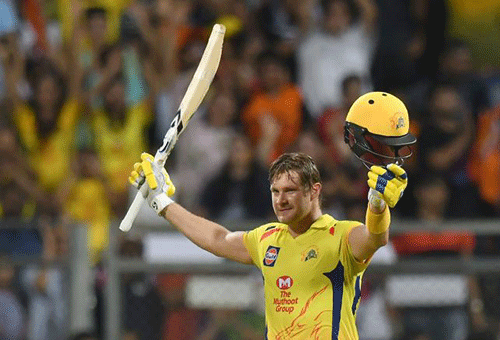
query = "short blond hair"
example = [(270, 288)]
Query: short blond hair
[(298, 162)]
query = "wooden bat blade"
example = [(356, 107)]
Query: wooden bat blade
[(192, 99)]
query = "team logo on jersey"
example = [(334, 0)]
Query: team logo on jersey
[(271, 256), (284, 282), (310, 253)]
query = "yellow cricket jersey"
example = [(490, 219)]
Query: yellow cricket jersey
[(88, 203), (312, 282), (120, 146), (114, 10), (50, 157)]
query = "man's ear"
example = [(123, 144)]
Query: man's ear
[(316, 190)]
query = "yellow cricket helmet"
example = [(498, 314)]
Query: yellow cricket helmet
[(377, 129)]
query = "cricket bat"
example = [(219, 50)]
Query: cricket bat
[(195, 93)]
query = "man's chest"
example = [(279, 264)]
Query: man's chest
[(288, 262)]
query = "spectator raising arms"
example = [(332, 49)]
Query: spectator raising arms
[(47, 120)]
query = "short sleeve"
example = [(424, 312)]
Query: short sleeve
[(352, 266), (251, 241)]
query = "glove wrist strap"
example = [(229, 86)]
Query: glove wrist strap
[(160, 202)]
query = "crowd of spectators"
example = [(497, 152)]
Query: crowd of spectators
[(87, 85)]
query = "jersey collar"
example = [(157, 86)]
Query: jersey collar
[(325, 221)]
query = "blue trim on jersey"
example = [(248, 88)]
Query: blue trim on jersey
[(336, 277), (357, 294)]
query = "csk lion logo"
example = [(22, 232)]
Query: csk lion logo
[(310, 253), (398, 121)]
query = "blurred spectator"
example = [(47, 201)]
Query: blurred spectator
[(46, 287), (346, 186), (233, 325), (197, 163), (85, 197), (284, 25), (47, 121), (444, 145), (454, 68), (120, 132), (103, 18), (180, 44), (485, 169), (410, 38), (477, 23), (423, 311), (339, 190), (245, 75), (241, 187), (180, 322), (143, 306), (12, 318), (15, 171), (340, 47), (485, 166), (331, 123), (274, 116)]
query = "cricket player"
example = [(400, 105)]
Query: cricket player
[(312, 264)]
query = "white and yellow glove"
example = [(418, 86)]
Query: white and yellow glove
[(159, 186), (388, 184)]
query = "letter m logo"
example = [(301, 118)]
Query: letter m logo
[(284, 282)]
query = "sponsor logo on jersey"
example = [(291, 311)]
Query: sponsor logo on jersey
[(310, 253), (284, 282), (271, 256)]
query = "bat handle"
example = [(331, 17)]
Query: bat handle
[(132, 212)]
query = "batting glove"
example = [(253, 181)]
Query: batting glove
[(159, 186), (390, 182)]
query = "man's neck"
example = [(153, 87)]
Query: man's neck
[(304, 224)]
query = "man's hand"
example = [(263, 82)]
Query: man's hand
[(390, 182), (159, 187)]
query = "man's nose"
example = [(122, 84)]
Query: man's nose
[(281, 198)]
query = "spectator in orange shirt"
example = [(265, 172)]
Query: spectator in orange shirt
[(274, 115), (485, 163)]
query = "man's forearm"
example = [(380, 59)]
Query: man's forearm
[(200, 231)]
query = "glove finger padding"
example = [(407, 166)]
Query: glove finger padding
[(397, 171), (136, 177), (147, 166), (171, 187), (159, 187), (390, 182)]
